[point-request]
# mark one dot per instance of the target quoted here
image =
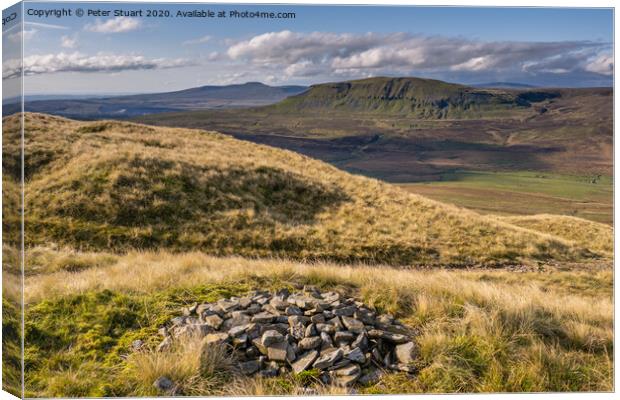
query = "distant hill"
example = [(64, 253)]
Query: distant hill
[(249, 94), (415, 97), (117, 186), (503, 85)]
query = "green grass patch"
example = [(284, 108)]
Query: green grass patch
[(523, 193)]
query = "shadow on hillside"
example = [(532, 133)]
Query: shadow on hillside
[(154, 192)]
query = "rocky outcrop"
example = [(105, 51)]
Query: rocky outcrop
[(274, 333)]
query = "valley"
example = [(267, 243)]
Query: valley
[(542, 135)]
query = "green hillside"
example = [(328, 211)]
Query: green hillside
[(415, 97)]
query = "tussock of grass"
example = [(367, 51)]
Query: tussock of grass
[(477, 330), (43, 260), (195, 369), (107, 186)]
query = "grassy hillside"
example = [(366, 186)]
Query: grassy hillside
[(596, 236), (415, 97), (523, 193), (479, 331), (121, 186)]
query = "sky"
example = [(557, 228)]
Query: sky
[(104, 54)]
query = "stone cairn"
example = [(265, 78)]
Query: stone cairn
[(272, 334)]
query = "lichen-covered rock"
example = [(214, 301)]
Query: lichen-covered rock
[(405, 353)]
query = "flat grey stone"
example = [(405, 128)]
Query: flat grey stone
[(327, 340), (389, 336), (327, 360), (310, 343), (330, 296), (237, 330), (304, 361), (259, 345), (270, 337), (348, 370), (263, 317), (318, 318), (216, 338), (346, 376), (214, 321), (245, 302), (293, 310), (298, 319), (336, 323), (193, 330), (277, 351), (344, 337), (278, 304), (361, 341), (346, 311), (356, 355), (311, 331), (340, 364), (366, 316), (228, 305), (353, 325), (249, 367), (327, 328)]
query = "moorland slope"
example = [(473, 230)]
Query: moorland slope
[(121, 186)]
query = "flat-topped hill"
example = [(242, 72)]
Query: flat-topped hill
[(415, 97)]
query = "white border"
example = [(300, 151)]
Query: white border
[(480, 3)]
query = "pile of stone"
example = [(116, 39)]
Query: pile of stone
[(272, 334)]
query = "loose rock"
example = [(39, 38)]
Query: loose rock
[(163, 383), (272, 334)]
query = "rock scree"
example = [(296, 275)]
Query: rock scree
[(270, 334)]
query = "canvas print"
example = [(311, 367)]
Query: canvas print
[(234, 200)]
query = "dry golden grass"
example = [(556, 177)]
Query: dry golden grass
[(119, 186), (479, 330), (194, 368), (593, 235)]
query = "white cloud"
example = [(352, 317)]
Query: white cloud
[(200, 40), (603, 64), (326, 54), (474, 64), (78, 62), (42, 25), (114, 25), (27, 34), (68, 42), (214, 56)]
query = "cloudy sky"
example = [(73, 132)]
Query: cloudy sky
[(545, 47)]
